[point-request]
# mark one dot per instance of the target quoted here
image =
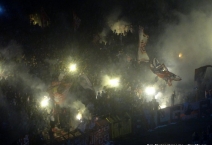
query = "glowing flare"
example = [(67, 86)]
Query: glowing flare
[(180, 55), (45, 102), (79, 116), (150, 90), (163, 106), (73, 67), (114, 82)]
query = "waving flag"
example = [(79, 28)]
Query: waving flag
[(77, 21), (200, 72), (162, 72), (85, 82), (143, 38)]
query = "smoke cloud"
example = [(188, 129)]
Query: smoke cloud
[(116, 23), (190, 36)]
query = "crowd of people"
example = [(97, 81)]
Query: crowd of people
[(20, 105), (204, 137), (37, 56)]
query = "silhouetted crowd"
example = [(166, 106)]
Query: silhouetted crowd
[(204, 137)]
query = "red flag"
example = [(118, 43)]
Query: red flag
[(162, 72)]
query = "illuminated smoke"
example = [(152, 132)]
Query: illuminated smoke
[(191, 38), (115, 23), (78, 110), (184, 46)]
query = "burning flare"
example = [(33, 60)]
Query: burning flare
[(72, 67), (150, 90), (79, 116), (114, 82), (44, 102)]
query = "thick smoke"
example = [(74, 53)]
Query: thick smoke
[(13, 65), (116, 23), (76, 107), (190, 36), (16, 74)]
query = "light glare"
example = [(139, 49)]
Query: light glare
[(73, 67), (79, 116), (114, 82), (45, 102), (150, 90)]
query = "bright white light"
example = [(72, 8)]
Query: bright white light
[(163, 106), (73, 67), (79, 116), (45, 102), (114, 82), (150, 90), (180, 55)]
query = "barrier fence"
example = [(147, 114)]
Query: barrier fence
[(110, 128)]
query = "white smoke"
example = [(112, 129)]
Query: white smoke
[(190, 36), (76, 107), (115, 23)]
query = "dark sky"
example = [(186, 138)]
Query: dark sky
[(92, 9), (142, 12)]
